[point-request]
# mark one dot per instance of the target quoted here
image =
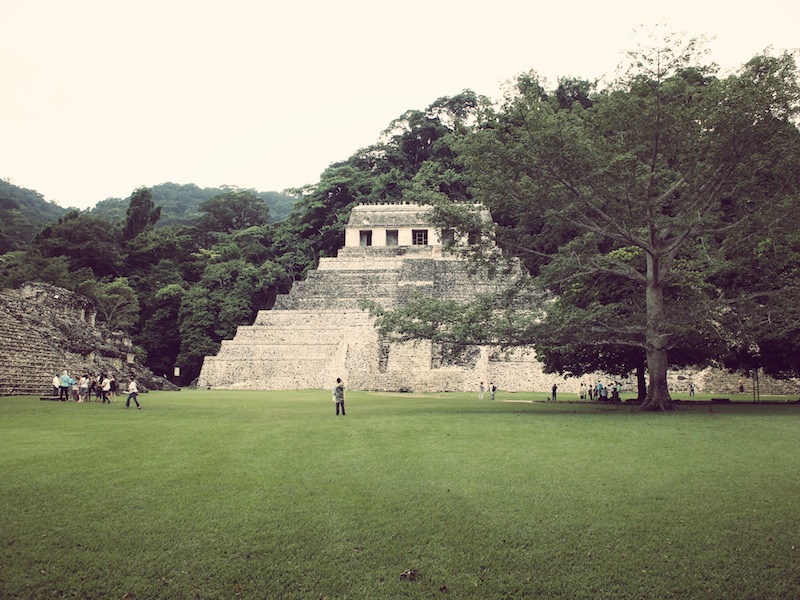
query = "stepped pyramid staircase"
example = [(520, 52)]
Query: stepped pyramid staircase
[(318, 332)]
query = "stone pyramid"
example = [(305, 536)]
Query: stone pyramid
[(318, 331)]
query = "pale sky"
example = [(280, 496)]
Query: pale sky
[(99, 97)]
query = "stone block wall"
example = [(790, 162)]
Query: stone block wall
[(45, 329)]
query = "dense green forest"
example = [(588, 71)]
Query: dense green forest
[(180, 204), (655, 218), (23, 213)]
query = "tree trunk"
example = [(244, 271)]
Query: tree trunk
[(657, 397)]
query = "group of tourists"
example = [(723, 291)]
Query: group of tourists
[(601, 393), (103, 386)]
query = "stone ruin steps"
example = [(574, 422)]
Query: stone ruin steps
[(288, 349), (318, 331), (29, 362), (312, 320), (342, 288), (44, 330)]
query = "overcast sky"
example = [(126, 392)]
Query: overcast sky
[(98, 97)]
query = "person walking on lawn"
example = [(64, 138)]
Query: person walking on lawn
[(133, 392)]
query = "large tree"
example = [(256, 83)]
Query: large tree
[(650, 179), (622, 204), (142, 213)]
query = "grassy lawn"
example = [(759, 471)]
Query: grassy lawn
[(207, 494)]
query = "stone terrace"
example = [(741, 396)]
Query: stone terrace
[(46, 329), (318, 331)]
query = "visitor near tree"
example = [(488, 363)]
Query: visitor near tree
[(615, 392), (338, 395)]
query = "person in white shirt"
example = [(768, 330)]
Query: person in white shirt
[(104, 389), (83, 388), (133, 392)]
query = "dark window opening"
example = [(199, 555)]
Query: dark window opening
[(419, 237)]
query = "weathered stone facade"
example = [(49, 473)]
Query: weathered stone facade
[(45, 329), (318, 331)]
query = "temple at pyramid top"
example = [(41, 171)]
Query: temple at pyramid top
[(403, 224)]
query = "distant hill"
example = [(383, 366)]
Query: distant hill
[(180, 203), (23, 213)]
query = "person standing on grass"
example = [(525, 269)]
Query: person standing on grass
[(112, 390), (105, 386), (83, 388), (492, 389), (555, 389), (133, 392), (480, 391), (63, 394), (97, 381), (56, 384), (338, 395)]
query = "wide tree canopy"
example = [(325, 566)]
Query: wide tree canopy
[(623, 203)]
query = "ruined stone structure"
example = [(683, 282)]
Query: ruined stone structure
[(45, 329), (318, 331)]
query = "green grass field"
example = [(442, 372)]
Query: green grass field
[(207, 494)]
